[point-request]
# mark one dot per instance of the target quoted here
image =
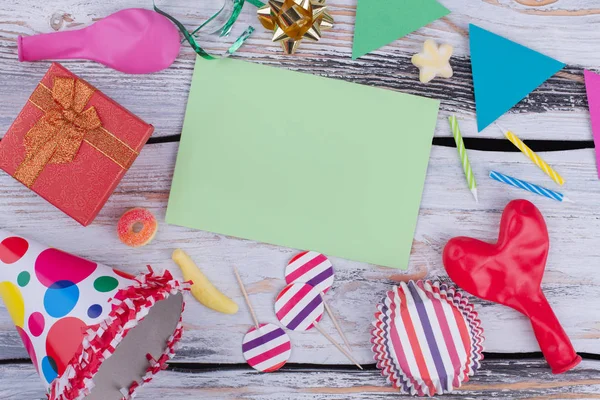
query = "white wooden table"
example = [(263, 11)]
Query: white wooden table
[(210, 364)]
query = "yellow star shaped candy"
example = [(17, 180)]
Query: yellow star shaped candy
[(433, 61)]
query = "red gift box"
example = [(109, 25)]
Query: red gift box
[(71, 144)]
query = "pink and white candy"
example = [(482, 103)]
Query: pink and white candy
[(299, 306), (267, 348), (312, 268)]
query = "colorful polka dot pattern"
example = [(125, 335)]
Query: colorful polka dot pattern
[(52, 298), (36, 324), (94, 311), (65, 336), (53, 265), (123, 274), (105, 284), (14, 302), (60, 298), (23, 278), (12, 249), (49, 369), (28, 345)]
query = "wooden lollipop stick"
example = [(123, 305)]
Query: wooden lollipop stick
[(243, 289), (335, 323), (340, 348)]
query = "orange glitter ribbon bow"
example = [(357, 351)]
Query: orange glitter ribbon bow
[(57, 136)]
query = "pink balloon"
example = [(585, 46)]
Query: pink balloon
[(134, 41)]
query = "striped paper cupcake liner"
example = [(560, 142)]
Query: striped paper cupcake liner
[(427, 338), (422, 387), (381, 350), (461, 301), (385, 357), (394, 371), (428, 386), (396, 363)]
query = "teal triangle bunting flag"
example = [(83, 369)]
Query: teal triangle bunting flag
[(504, 72)]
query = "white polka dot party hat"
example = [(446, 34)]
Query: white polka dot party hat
[(92, 332)]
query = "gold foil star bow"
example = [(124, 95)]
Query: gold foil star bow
[(294, 20)]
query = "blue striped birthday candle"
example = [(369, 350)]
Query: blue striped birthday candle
[(530, 187)]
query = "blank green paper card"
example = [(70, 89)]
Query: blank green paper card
[(302, 161)]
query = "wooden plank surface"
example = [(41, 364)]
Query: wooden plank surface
[(571, 282), (557, 110), (160, 98), (498, 379)]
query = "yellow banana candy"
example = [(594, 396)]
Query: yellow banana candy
[(204, 291)]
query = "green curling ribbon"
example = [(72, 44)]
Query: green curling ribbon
[(223, 31), (256, 3), (237, 9)]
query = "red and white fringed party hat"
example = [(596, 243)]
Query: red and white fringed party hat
[(91, 331)]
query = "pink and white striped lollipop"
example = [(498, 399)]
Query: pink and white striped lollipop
[(266, 348), (312, 268), (299, 306), (316, 270)]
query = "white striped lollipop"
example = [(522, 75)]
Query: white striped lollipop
[(266, 347), (316, 270), (299, 307), (312, 268)]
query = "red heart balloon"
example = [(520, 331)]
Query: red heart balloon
[(510, 272)]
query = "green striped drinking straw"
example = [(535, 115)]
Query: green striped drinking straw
[(464, 159)]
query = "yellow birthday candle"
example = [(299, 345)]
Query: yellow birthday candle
[(537, 160)]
